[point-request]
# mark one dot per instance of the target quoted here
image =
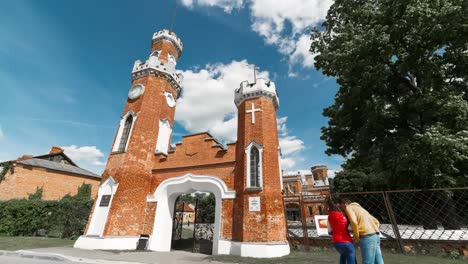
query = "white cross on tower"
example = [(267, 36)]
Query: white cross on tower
[(252, 111)]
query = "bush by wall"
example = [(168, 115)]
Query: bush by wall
[(64, 218)]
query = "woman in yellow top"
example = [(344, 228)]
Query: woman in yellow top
[(366, 232)]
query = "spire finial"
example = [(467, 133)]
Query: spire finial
[(255, 68), (173, 16)]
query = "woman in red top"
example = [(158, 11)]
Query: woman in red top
[(338, 227)]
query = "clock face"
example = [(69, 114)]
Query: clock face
[(136, 91), (170, 99)]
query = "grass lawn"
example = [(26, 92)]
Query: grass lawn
[(329, 256), (16, 243)]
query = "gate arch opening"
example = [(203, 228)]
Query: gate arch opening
[(165, 196)]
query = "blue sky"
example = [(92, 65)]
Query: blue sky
[(65, 71)]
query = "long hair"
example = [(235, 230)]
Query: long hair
[(332, 205)]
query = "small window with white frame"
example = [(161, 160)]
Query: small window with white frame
[(124, 133), (170, 57), (254, 179)]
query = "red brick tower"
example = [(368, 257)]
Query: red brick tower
[(145, 129), (259, 221)]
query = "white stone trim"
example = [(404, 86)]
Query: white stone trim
[(115, 148), (159, 68), (253, 250), (166, 194), (280, 169), (261, 88), (106, 243), (247, 155), (170, 36), (170, 99), (100, 214), (164, 135), (138, 95)]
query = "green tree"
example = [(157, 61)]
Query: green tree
[(400, 117)]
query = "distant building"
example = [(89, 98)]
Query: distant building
[(55, 173), (306, 190), (185, 212)]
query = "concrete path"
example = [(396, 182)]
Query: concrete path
[(118, 257)]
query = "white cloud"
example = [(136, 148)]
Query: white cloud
[(287, 163), (291, 146), (86, 155), (271, 19), (284, 24), (2, 135), (207, 102), (282, 130), (274, 14), (226, 5), (301, 52), (332, 173), (187, 3)]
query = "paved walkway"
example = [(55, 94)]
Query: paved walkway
[(117, 257)]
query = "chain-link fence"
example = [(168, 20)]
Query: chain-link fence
[(407, 217)]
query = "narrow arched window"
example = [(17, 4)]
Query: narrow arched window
[(254, 167), (125, 133)]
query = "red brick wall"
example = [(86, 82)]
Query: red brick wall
[(25, 180), (166, 48), (132, 170), (268, 224)]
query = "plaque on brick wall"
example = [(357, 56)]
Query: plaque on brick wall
[(105, 200), (254, 204)]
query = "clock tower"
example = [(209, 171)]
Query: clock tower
[(144, 175), (143, 134)]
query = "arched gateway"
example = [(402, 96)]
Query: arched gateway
[(165, 196), (144, 173)]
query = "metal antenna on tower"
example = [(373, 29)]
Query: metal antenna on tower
[(173, 16), (255, 68)]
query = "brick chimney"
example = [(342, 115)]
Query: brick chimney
[(25, 157), (55, 150)]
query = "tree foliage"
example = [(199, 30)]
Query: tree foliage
[(206, 205), (65, 218), (400, 117)]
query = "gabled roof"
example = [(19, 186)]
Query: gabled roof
[(36, 162), (46, 156), (187, 208)]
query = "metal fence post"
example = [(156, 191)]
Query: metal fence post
[(286, 220), (393, 221), (305, 233)]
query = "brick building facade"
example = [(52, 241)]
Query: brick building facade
[(307, 190), (145, 174), (55, 173)]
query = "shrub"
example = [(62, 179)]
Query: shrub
[(65, 218)]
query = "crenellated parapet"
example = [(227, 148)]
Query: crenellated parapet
[(170, 36), (154, 65), (260, 88)]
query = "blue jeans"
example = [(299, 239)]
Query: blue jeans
[(370, 249), (347, 252)]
